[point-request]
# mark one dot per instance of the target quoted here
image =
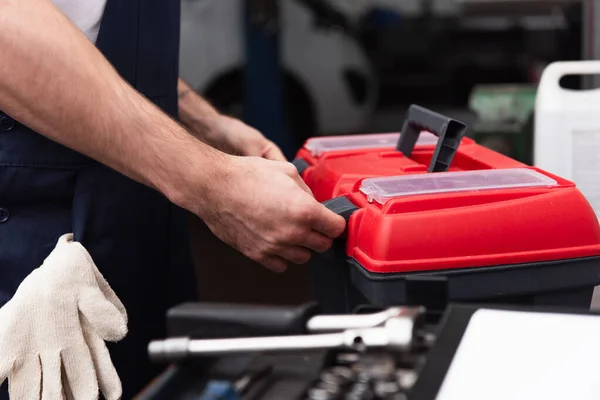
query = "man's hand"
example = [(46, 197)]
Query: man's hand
[(264, 209), (240, 139), (227, 134)]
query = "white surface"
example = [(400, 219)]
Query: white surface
[(567, 123), (86, 14), (525, 356), (318, 146), (383, 189)]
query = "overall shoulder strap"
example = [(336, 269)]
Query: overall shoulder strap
[(118, 36), (141, 40)]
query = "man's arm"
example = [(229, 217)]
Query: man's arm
[(55, 81), (193, 109), (221, 131), (197, 115)]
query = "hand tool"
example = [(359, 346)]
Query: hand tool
[(397, 333), (221, 320), (323, 323)]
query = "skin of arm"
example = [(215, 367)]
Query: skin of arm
[(55, 81), (99, 115), (227, 134)]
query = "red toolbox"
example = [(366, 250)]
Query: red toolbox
[(503, 233)]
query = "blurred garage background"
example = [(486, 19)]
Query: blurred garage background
[(301, 68)]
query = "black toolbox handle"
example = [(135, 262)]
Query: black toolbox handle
[(300, 165), (223, 320), (449, 131), (341, 206)]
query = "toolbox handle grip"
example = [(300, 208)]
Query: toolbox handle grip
[(449, 131), (300, 165), (341, 206)]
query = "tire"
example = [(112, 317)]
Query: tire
[(226, 94)]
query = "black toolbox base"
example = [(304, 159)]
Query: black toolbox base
[(342, 285), (568, 283)]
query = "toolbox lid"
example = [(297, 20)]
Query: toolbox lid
[(320, 145), (383, 189)]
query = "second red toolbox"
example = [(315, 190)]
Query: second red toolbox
[(430, 142)]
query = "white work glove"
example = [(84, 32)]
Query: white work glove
[(52, 331)]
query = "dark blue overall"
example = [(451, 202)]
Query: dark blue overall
[(137, 238)]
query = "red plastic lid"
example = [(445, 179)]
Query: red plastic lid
[(457, 220)]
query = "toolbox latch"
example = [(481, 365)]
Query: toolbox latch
[(449, 131)]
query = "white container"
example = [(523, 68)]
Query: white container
[(567, 128)]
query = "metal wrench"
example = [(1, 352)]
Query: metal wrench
[(396, 333), (327, 323)]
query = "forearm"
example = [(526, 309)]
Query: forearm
[(198, 116), (55, 81), (192, 107)]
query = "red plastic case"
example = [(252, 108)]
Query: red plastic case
[(533, 243)]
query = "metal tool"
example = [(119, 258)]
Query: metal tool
[(396, 333), (207, 320), (370, 376), (325, 323)]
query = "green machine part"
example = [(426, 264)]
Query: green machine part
[(505, 119)]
